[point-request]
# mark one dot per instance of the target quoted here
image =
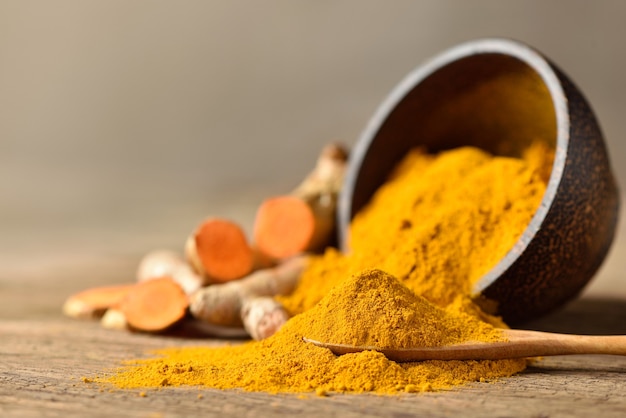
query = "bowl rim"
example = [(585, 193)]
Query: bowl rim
[(504, 46)]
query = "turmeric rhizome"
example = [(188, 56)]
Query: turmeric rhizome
[(429, 233)]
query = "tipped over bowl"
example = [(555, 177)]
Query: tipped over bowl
[(500, 95)]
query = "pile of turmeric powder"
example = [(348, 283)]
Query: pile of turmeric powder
[(285, 363), (389, 315), (439, 224)]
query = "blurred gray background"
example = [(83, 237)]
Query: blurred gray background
[(124, 123)]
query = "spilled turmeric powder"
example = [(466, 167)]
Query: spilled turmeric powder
[(285, 363), (439, 224)]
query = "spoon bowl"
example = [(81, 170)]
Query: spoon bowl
[(500, 95)]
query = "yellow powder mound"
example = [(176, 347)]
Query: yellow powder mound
[(285, 363), (388, 315), (439, 224)]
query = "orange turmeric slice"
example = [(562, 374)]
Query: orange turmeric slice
[(218, 250), (154, 305)]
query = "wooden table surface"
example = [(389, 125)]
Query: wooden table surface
[(43, 356)]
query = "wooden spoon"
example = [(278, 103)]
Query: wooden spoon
[(520, 344)]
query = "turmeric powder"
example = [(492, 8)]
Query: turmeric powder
[(389, 316), (437, 226), (285, 363)]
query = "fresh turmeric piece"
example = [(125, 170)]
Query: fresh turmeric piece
[(113, 318), (221, 304), (158, 263), (262, 316), (219, 251), (304, 220), (154, 305), (164, 263), (285, 226), (93, 303)]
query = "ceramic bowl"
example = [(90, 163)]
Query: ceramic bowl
[(498, 95)]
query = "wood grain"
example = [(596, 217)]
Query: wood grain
[(42, 363), (43, 357)]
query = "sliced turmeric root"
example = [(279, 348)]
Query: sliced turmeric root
[(154, 305), (92, 303), (305, 219), (284, 226), (219, 251)]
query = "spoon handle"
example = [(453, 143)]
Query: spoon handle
[(536, 343), (520, 344)]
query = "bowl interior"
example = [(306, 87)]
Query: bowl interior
[(493, 101)]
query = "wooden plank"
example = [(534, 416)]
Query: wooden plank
[(43, 356), (42, 362)]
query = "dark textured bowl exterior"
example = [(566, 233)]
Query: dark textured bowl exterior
[(569, 236), (576, 233)]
